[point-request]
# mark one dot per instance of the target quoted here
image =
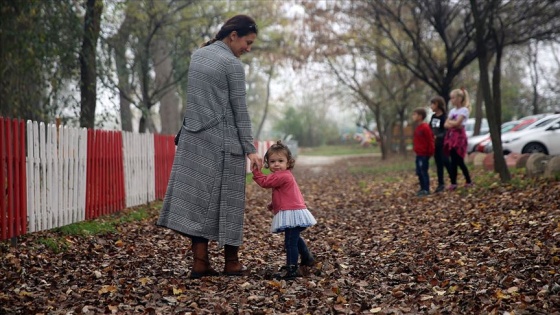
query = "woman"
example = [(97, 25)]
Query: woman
[(205, 198)]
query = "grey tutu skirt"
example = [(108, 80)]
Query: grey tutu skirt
[(286, 219)]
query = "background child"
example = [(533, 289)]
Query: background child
[(423, 143), (437, 122), (455, 144), (291, 215)]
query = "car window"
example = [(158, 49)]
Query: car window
[(543, 122), (507, 128)]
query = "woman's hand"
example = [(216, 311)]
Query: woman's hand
[(256, 160)]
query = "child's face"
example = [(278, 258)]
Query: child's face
[(456, 100), (278, 162), (433, 106), (416, 117)]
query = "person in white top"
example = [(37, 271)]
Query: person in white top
[(455, 143)]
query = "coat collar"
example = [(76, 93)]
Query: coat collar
[(223, 45)]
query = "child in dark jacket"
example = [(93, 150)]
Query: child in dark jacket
[(424, 147)]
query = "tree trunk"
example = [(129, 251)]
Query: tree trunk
[(534, 72), (478, 109), (88, 76), (169, 101), (267, 101), (492, 109), (118, 44), (500, 165)]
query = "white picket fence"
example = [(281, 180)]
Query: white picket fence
[(139, 171), (56, 175)]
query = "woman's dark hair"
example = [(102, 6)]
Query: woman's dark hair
[(279, 147), (242, 24), (440, 103)]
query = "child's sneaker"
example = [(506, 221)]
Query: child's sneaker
[(422, 193), (469, 185), (452, 187), (440, 188), (289, 272)]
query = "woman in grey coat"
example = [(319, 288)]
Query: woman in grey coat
[(205, 198)]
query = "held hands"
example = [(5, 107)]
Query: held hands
[(256, 161)]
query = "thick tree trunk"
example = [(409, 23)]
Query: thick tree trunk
[(88, 84), (169, 100), (492, 109)]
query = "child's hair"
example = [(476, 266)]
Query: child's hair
[(421, 112), (440, 103), (464, 95), (279, 147)]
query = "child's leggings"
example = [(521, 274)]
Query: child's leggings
[(458, 161), (295, 245)]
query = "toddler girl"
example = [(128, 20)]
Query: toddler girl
[(290, 212)]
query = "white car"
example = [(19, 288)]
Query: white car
[(542, 136), (474, 141), (469, 126)]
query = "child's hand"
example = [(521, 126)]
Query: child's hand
[(269, 207)]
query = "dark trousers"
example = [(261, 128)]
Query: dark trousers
[(458, 161), (441, 161), (422, 166), (295, 246)]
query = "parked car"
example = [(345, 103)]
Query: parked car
[(469, 126), (542, 136), (523, 123), (474, 141)]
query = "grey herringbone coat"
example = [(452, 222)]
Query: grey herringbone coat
[(206, 191)]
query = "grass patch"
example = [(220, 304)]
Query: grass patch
[(249, 177), (55, 244), (57, 241), (395, 165), (333, 150), (86, 228)]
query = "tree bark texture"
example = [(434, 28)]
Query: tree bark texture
[(164, 84), (483, 25), (88, 84)]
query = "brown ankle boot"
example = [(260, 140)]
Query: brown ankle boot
[(232, 265), (201, 263)]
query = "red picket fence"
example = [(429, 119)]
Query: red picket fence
[(164, 151), (13, 194), (105, 174)]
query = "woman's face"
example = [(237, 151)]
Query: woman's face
[(240, 45)]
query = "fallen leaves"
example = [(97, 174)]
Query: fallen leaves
[(380, 250)]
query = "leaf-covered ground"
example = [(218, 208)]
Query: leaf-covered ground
[(492, 249)]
